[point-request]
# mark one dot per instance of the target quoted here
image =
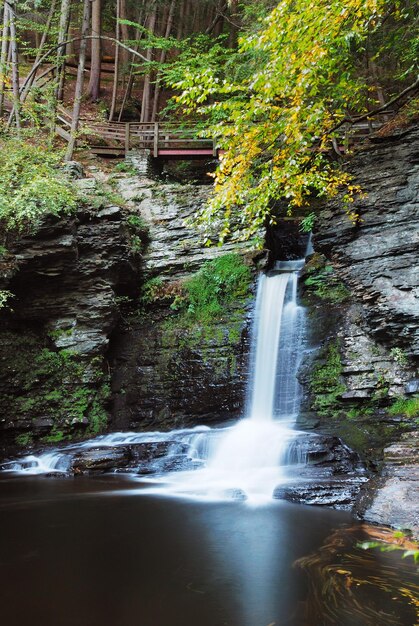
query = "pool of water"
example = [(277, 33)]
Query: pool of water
[(92, 552)]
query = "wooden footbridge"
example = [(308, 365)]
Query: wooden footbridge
[(162, 140)]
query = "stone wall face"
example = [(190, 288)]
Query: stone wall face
[(168, 372), (375, 330), (378, 256), (376, 261), (65, 278), (81, 353)]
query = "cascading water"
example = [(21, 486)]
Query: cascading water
[(250, 459)]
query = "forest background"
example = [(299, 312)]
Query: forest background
[(277, 86)]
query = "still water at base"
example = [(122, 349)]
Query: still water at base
[(87, 552)]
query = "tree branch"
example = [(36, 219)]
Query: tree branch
[(384, 107)]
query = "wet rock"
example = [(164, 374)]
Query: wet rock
[(326, 472), (236, 494), (336, 494), (377, 257), (110, 211), (100, 459), (392, 498), (356, 394), (412, 386)]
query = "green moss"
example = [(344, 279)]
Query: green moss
[(218, 283), (322, 282), (408, 407), (326, 383), (55, 436), (57, 385), (24, 440), (326, 286)]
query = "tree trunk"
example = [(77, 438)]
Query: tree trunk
[(169, 25), (29, 81), (124, 32), (131, 77), (79, 82), (3, 55), (15, 64), (96, 51), (146, 101), (62, 36), (116, 64)]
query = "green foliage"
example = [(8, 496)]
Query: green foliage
[(139, 233), (218, 283), (307, 223), (4, 297), (150, 290), (31, 185), (397, 541), (326, 384), (275, 105), (409, 407), (324, 283), (399, 356), (55, 436), (24, 440), (125, 167)]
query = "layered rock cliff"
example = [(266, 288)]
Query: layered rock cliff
[(363, 287)]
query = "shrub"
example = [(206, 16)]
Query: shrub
[(31, 185)]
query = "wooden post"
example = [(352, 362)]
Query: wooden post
[(127, 137), (156, 140)]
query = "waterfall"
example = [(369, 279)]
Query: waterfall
[(246, 461), (267, 324), (251, 456)]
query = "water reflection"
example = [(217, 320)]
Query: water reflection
[(79, 552)]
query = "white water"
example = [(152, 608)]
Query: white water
[(251, 458)]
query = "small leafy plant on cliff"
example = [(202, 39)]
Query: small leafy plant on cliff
[(219, 282), (326, 384), (31, 185), (4, 297), (409, 407), (324, 284), (139, 233)]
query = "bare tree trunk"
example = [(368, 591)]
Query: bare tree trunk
[(157, 88), (62, 36), (131, 77), (124, 33), (116, 64), (3, 55), (79, 82), (145, 105), (15, 64), (96, 51), (181, 20), (28, 82)]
